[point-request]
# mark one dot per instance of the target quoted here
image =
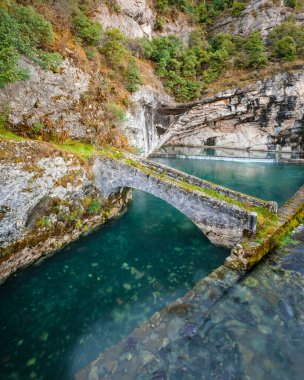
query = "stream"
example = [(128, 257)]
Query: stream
[(59, 314)]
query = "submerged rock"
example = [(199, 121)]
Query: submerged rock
[(188, 330)]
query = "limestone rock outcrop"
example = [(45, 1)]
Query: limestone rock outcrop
[(180, 27), (47, 94), (267, 115), (259, 15), (44, 198), (143, 118), (135, 19)]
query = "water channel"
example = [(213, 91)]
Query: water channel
[(59, 314)]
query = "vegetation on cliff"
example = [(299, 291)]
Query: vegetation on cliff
[(23, 31), (49, 31)]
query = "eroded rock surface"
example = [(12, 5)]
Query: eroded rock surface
[(45, 94), (135, 19), (144, 118), (45, 198), (259, 15), (268, 115)]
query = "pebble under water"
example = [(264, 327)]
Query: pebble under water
[(60, 314)]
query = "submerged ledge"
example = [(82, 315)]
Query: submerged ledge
[(139, 355), (175, 338)]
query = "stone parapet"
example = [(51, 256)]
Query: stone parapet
[(223, 215)]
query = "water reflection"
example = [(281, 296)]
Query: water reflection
[(222, 152)]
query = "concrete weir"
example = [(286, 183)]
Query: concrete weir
[(223, 215)]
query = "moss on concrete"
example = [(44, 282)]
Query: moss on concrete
[(273, 234)]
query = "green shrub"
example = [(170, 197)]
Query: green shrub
[(223, 41), (90, 53), (208, 11), (38, 128), (43, 222), (113, 6), (178, 65), (50, 61), (9, 70), (237, 8), (132, 75), (217, 55), (216, 63), (87, 30), (159, 24), (287, 33), (290, 3), (184, 90), (162, 5), (286, 48), (23, 32), (252, 52), (113, 48), (116, 113), (94, 207), (4, 117), (34, 28)]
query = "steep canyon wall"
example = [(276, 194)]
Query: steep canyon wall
[(267, 115)]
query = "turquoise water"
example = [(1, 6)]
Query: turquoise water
[(58, 315), (269, 181)]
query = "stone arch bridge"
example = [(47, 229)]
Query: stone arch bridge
[(223, 215)]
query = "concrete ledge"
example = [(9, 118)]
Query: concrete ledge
[(145, 344), (143, 348)]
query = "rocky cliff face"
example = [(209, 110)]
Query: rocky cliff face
[(259, 15), (47, 199), (143, 120), (136, 19), (268, 115), (54, 96)]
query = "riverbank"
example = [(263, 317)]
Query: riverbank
[(48, 199)]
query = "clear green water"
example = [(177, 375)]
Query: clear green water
[(269, 181), (58, 315)]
